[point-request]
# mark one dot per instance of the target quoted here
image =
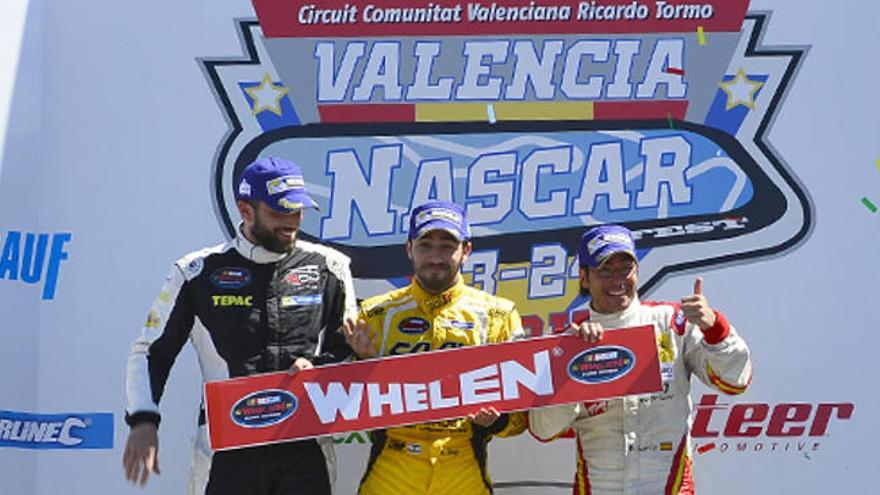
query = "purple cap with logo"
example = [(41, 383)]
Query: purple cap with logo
[(600, 243), (439, 215), (277, 182)]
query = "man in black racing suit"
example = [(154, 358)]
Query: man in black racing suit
[(262, 302)]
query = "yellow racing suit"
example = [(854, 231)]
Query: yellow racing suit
[(447, 456)]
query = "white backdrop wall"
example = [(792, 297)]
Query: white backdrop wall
[(21, 81), (110, 135)]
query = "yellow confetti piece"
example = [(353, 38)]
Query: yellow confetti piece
[(701, 35)]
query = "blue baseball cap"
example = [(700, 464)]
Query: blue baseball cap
[(277, 182), (600, 243), (439, 215)]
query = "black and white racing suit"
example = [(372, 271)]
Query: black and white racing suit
[(246, 310)]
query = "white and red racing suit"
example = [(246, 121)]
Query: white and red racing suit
[(640, 444)]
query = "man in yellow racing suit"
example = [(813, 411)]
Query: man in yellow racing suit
[(436, 311)]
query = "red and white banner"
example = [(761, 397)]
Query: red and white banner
[(433, 386)]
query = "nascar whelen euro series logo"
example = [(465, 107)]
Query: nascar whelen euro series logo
[(263, 408), (601, 364), (539, 118)]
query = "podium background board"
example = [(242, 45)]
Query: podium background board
[(110, 130)]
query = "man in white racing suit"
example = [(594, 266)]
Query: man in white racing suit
[(640, 445)]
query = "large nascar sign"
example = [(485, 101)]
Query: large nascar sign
[(416, 388), (540, 118)]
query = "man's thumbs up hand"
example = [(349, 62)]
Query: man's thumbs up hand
[(696, 307)]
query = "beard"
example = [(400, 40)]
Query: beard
[(271, 240), (437, 278)]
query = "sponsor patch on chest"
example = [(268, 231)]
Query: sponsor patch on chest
[(303, 275), (413, 326), (230, 278), (458, 324), (302, 300)]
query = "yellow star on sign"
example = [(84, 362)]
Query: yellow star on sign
[(267, 96), (741, 90)]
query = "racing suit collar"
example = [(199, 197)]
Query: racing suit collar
[(430, 302), (253, 252), (632, 309)]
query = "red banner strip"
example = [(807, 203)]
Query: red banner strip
[(367, 113), (380, 18), (640, 111), (431, 386)]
